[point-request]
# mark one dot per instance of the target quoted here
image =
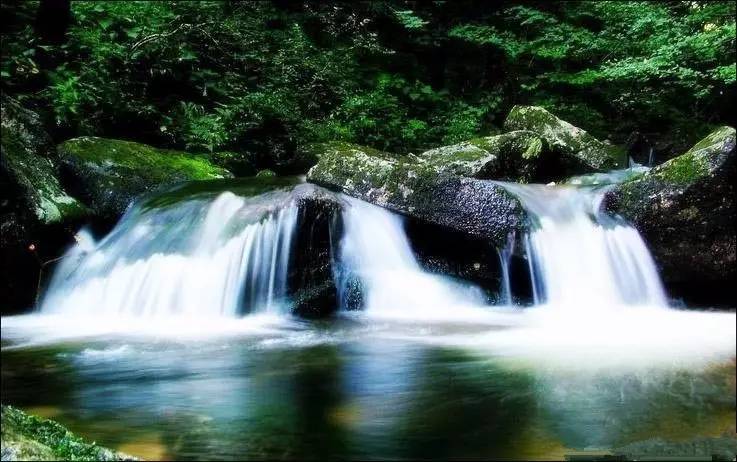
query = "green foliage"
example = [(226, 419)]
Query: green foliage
[(409, 20), (265, 79)]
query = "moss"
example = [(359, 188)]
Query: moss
[(698, 161), (109, 174), (191, 190), (26, 437), (510, 156), (684, 169), (416, 187), (147, 160), (266, 173), (567, 139), (36, 178), (717, 136)]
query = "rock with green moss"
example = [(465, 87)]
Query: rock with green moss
[(107, 174), (37, 215), (413, 187), (685, 210), (579, 150), (513, 156), (26, 437), (266, 173), (26, 167)]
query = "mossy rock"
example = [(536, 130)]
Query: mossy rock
[(108, 174), (685, 210), (513, 156), (26, 437), (25, 164), (414, 187), (266, 173), (580, 150)]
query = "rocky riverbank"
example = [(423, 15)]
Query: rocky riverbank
[(26, 437)]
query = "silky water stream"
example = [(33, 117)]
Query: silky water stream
[(171, 338)]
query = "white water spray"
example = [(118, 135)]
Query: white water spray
[(582, 259), (203, 258), (375, 249)]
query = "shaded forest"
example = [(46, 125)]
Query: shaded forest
[(256, 82)]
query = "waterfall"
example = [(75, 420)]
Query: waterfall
[(505, 257), (581, 258), (217, 256), (375, 251)]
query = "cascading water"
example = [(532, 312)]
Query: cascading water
[(205, 257), (375, 250), (505, 257), (581, 258)]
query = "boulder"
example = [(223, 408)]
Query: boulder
[(513, 156), (107, 174), (26, 437), (311, 283), (684, 208), (580, 152), (415, 188), (37, 215), (28, 173)]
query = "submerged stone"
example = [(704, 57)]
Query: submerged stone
[(579, 150), (109, 173), (685, 210)]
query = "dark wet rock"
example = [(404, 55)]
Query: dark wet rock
[(684, 208), (578, 150), (28, 173), (26, 437), (237, 163), (311, 283), (37, 215), (467, 258), (107, 174), (409, 186)]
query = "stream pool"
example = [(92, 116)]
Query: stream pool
[(356, 387)]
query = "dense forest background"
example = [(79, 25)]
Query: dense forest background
[(258, 81)]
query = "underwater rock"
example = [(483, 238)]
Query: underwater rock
[(107, 174), (26, 437), (409, 186), (579, 150), (685, 210)]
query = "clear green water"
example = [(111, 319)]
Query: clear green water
[(345, 389)]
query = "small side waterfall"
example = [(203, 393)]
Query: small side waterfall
[(209, 257), (375, 250), (580, 258), (505, 257)]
